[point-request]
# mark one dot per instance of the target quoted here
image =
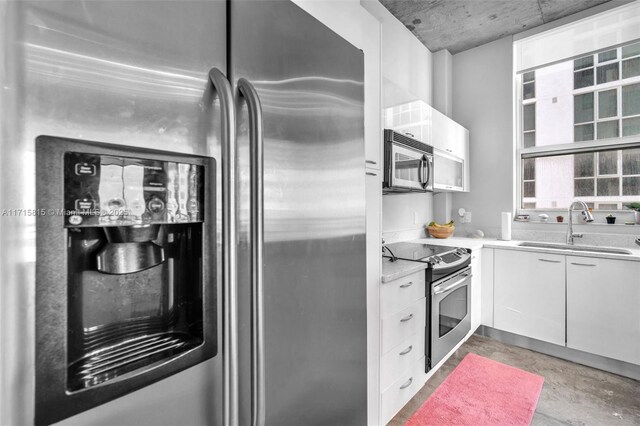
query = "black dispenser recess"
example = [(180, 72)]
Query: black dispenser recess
[(124, 289)]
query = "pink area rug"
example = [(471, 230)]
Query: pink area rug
[(480, 391)]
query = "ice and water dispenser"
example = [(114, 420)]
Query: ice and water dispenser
[(125, 287)]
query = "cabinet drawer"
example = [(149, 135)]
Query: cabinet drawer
[(398, 294), (402, 325), (401, 358), (402, 390)]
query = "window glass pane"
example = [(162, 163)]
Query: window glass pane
[(583, 78), (585, 62), (631, 50), (631, 99), (608, 163), (529, 169), (583, 132), (529, 90), (631, 68), (583, 165), (583, 108), (529, 189), (528, 205), (608, 187), (529, 76), (529, 139), (631, 126), (529, 117), (631, 185), (630, 161), (608, 129), (583, 187), (608, 103), (607, 73), (604, 206), (609, 55)]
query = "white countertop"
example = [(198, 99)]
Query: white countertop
[(394, 270)]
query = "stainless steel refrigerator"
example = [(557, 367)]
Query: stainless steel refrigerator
[(275, 99)]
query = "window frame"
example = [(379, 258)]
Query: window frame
[(590, 146)]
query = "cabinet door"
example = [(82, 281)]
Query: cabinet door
[(603, 307), (529, 292), (441, 126)]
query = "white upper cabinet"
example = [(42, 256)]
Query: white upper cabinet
[(450, 141), (412, 119)]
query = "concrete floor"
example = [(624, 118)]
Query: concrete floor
[(572, 393)]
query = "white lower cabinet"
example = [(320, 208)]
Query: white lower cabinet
[(529, 294), (402, 390), (603, 307), (400, 326), (402, 342), (400, 359)]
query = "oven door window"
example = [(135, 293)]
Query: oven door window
[(453, 309)]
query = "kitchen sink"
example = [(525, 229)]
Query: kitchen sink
[(592, 249)]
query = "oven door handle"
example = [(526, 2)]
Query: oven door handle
[(457, 284)]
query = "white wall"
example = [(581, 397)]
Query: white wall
[(483, 103), (406, 212)]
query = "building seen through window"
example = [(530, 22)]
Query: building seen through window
[(579, 134)]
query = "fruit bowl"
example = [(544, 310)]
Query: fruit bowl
[(441, 231)]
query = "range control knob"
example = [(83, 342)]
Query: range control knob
[(461, 252)]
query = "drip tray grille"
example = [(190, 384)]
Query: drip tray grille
[(126, 356)]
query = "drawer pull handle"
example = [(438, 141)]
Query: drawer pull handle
[(406, 351), (582, 264), (370, 174), (407, 384), (409, 284), (550, 261), (370, 162), (407, 318)]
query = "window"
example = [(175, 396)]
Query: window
[(579, 134)]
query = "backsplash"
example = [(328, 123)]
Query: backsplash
[(407, 235), (596, 234)]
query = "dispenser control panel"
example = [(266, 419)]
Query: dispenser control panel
[(105, 190)]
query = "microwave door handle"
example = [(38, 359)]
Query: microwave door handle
[(256, 141), (229, 251), (425, 171), (421, 172)]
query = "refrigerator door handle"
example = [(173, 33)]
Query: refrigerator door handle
[(256, 146), (229, 250)]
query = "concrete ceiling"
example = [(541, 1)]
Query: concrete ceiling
[(458, 25)]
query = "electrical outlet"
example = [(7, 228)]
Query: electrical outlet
[(467, 217), (415, 218)]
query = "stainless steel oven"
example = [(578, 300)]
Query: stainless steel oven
[(448, 301), (450, 312), (408, 164)]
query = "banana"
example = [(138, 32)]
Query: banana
[(446, 225)]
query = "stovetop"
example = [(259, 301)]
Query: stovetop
[(439, 257)]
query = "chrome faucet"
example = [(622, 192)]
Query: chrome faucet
[(588, 217)]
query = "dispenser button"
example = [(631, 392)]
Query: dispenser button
[(85, 169), (155, 205), (116, 203), (85, 205)]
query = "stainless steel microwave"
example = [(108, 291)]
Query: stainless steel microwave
[(408, 164)]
